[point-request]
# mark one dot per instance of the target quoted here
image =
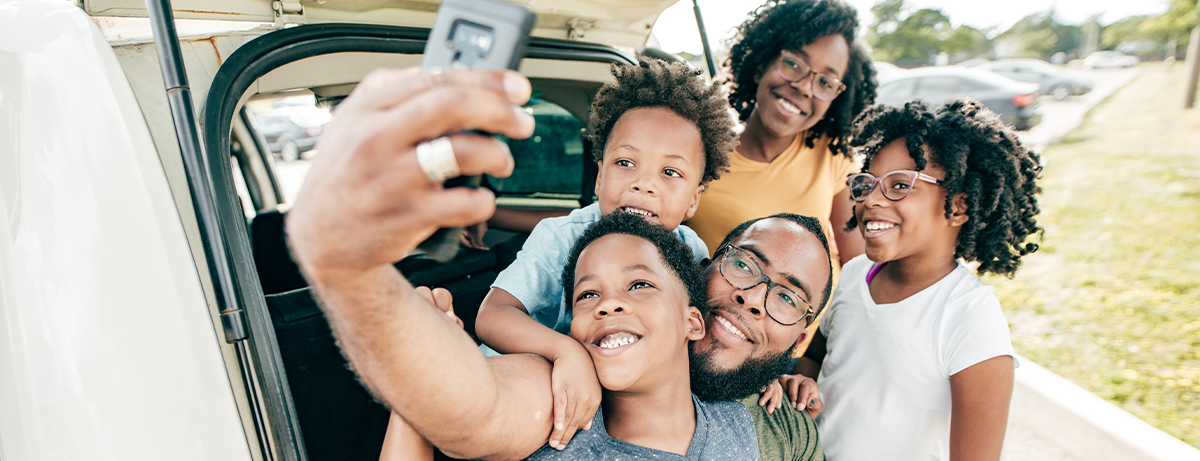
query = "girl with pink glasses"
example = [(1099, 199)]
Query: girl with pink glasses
[(914, 352)]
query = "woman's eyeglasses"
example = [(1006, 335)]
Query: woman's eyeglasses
[(824, 86), (896, 185)]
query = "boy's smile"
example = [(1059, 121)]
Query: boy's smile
[(652, 167), (631, 313)]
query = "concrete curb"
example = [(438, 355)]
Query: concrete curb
[(1086, 426)]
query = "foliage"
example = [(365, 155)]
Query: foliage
[(1112, 301), (1158, 31), (1040, 35), (915, 38)]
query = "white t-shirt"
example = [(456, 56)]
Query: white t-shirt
[(886, 379)]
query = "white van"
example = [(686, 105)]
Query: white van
[(148, 306)]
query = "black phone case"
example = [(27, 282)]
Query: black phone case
[(509, 26)]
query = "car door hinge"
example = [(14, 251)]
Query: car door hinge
[(288, 12), (577, 28), (234, 324)]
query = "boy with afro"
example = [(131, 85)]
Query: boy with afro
[(660, 135)]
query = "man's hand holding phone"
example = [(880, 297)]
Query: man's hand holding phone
[(366, 203)]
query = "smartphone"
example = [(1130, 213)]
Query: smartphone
[(472, 34)]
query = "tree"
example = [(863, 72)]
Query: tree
[(1157, 31), (1040, 35), (917, 38)]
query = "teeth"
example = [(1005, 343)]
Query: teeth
[(616, 340), (729, 326), (788, 106), (876, 226), (637, 212)]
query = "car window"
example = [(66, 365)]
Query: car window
[(291, 126), (897, 90), (550, 161)]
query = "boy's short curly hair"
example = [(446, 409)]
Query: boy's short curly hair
[(675, 254), (671, 85), (790, 25), (982, 158)]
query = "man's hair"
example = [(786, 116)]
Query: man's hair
[(677, 256), (813, 226), (790, 25), (669, 85), (983, 158)]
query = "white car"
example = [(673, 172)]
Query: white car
[(1104, 59), (886, 72), (141, 313)]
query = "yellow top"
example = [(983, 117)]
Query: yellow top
[(801, 180)]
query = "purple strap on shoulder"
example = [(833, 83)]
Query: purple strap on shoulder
[(874, 270)]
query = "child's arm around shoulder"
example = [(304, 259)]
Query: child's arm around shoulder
[(504, 323)]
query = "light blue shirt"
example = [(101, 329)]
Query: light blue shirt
[(535, 277)]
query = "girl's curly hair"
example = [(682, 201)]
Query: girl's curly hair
[(983, 159), (671, 85), (780, 25)]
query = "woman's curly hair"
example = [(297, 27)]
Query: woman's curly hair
[(790, 25), (671, 85), (982, 158)]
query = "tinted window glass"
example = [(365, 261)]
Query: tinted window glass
[(550, 161)]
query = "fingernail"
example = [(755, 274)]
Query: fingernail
[(812, 402), (524, 118), (517, 87)]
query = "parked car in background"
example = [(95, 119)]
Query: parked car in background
[(973, 63), (1054, 81), (292, 130), (1103, 59), (886, 72), (1015, 102)]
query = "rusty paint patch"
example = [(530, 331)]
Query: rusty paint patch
[(211, 12), (216, 50)]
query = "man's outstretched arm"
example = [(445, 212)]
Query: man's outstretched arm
[(366, 204)]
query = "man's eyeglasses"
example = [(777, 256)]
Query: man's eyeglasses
[(824, 86), (782, 304), (896, 185)]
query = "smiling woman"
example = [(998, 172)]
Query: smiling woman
[(798, 80)]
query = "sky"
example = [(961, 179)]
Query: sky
[(676, 28)]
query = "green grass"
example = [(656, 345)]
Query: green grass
[(1111, 301)]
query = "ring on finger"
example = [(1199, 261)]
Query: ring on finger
[(436, 159)]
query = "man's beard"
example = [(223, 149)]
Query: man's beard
[(739, 382)]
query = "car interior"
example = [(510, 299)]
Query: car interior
[(327, 413)]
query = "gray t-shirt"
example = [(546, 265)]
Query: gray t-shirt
[(726, 430), (535, 277)]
